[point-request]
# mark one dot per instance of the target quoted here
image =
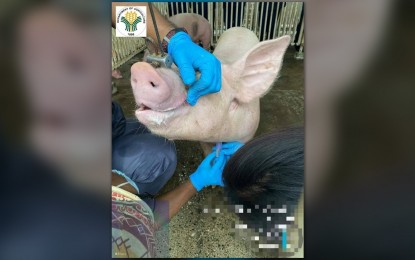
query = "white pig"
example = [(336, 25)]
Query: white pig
[(249, 68)]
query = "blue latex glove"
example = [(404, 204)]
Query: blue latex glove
[(228, 149), (189, 57), (207, 174)]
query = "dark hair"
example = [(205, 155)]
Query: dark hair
[(268, 171)]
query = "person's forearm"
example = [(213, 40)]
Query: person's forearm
[(172, 202), (163, 25)]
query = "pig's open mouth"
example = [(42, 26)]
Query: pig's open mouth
[(143, 107), (159, 110), (155, 116)]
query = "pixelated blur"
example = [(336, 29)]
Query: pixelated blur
[(55, 133), (273, 233)]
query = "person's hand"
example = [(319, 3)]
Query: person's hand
[(209, 172), (189, 57), (228, 149)]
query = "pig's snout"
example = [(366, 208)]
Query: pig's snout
[(145, 79), (149, 88), (154, 89)]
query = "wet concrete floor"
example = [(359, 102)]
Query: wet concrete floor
[(193, 233)]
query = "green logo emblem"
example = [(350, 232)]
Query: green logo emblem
[(131, 20)]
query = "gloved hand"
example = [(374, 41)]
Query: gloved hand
[(189, 57), (228, 149), (207, 174)]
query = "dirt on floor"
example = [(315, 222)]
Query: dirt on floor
[(193, 233)]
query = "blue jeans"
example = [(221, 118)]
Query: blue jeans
[(146, 159)]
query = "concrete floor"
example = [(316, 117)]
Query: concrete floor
[(193, 233)]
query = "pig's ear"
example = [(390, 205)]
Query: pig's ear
[(256, 71)]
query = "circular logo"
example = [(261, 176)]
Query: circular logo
[(131, 21)]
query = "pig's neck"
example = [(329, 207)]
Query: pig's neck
[(230, 85), (228, 77)]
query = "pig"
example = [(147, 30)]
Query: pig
[(249, 68), (196, 25)]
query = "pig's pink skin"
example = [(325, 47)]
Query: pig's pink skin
[(156, 89), (248, 72), (196, 25)]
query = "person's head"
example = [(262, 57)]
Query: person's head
[(60, 62), (268, 170)]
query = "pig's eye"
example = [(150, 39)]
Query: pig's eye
[(152, 84)]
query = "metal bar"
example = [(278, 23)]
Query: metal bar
[(290, 25), (166, 9), (238, 19), (247, 14), (290, 16), (221, 19), (225, 14), (253, 10), (260, 22), (284, 24), (211, 20), (301, 33), (244, 15), (284, 21), (266, 22), (231, 21), (188, 9), (274, 35), (295, 22), (215, 24), (160, 7), (270, 20), (280, 19), (256, 19), (170, 9)]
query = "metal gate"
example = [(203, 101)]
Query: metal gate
[(268, 20)]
